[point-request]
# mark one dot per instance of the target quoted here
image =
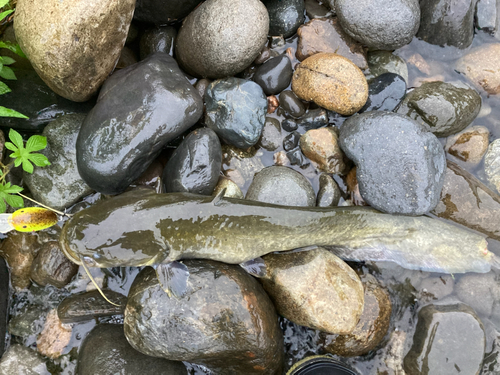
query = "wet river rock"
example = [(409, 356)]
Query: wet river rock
[(371, 327), (236, 110), (158, 39), (439, 347), (195, 165), (381, 62), (379, 24), (283, 186), (203, 50), (274, 75), (59, 184), (445, 108), (332, 82), (162, 12), (470, 145), (4, 302), (329, 192), (19, 359), (400, 165), (84, 306), (76, 48), (467, 201), (324, 35), (321, 146), (52, 267), (139, 110), (492, 164), (285, 16), (225, 322), (19, 249), (385, 92), (106, 351), (315, 289)]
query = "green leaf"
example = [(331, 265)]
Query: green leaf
[(6, 112), (13, 47), (3, 207), (17, 161), (39, 160), (16, 138), (27, 166), (36, 143), (4, 89), (14, 200), (10, 189), (10, 146), (7, 73), (6, 60), (5, 14), (3, 3)]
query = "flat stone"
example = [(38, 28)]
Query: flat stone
[(59, 185), (470, 145), (321, 146), (481, 66), (400, 165), (332, 82), (202, 50), (76, 48), (492, 164), (439, 347), (379, 24), (283, 186), (324, 35), (140, 109)]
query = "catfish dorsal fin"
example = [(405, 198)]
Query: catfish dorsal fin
[(218, 198)]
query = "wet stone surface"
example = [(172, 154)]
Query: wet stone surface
[(285, 16), (385, 92)]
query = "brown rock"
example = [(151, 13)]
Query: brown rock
[(353, 188), (54, 337), (470, 145), (324, 35), (371, 328), (332, 82), (73, 45), (19, 250), (321, 146), (482, 67), (315, 289), (232, 190), (52, 267)]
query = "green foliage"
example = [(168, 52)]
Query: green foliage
[(22, 155), (5, 71)]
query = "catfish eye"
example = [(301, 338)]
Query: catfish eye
[(90, 262)]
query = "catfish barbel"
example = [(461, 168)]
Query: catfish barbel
[(142, 228)]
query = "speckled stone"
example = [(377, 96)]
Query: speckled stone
[(479, 291), (400, 165), (203, 50), (470, 145), (75, 47), (271, 134), (492, 164), (315, 289), (481, 66), (324, 35), (281, 185), (285, 16), (332, 82), (321, 146), (379, 24)]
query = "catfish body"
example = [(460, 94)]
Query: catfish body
[(144, 228)]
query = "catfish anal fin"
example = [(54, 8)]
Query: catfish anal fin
[(255, 267), (218, 198), (173, 278)]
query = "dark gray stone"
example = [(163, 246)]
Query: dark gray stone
[(158, 39), (161, 12), (283, 186), (271, 134), (274, 75), (139, 110), (52, 267), (381, 62), (43, 105), (59, 185), (106, 351), (439, 346), (385, 92), (22, 360), (486, 15), (316, 10), (289, 125), (4, 302), (222, 37), (226, 321), (447, 22), (379, 24), (86, 306), (479, 291), (29, 322), (443, 108), (400, 165), (313, 119), (329, 192), (291, 104), (291, 141), (195, 165), (236, 110), (285, 16)]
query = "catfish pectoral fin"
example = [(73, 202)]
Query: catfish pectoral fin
[(173, 278), (255, 267), (218, 198)]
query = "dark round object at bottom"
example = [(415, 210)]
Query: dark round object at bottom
[(320, 365)]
